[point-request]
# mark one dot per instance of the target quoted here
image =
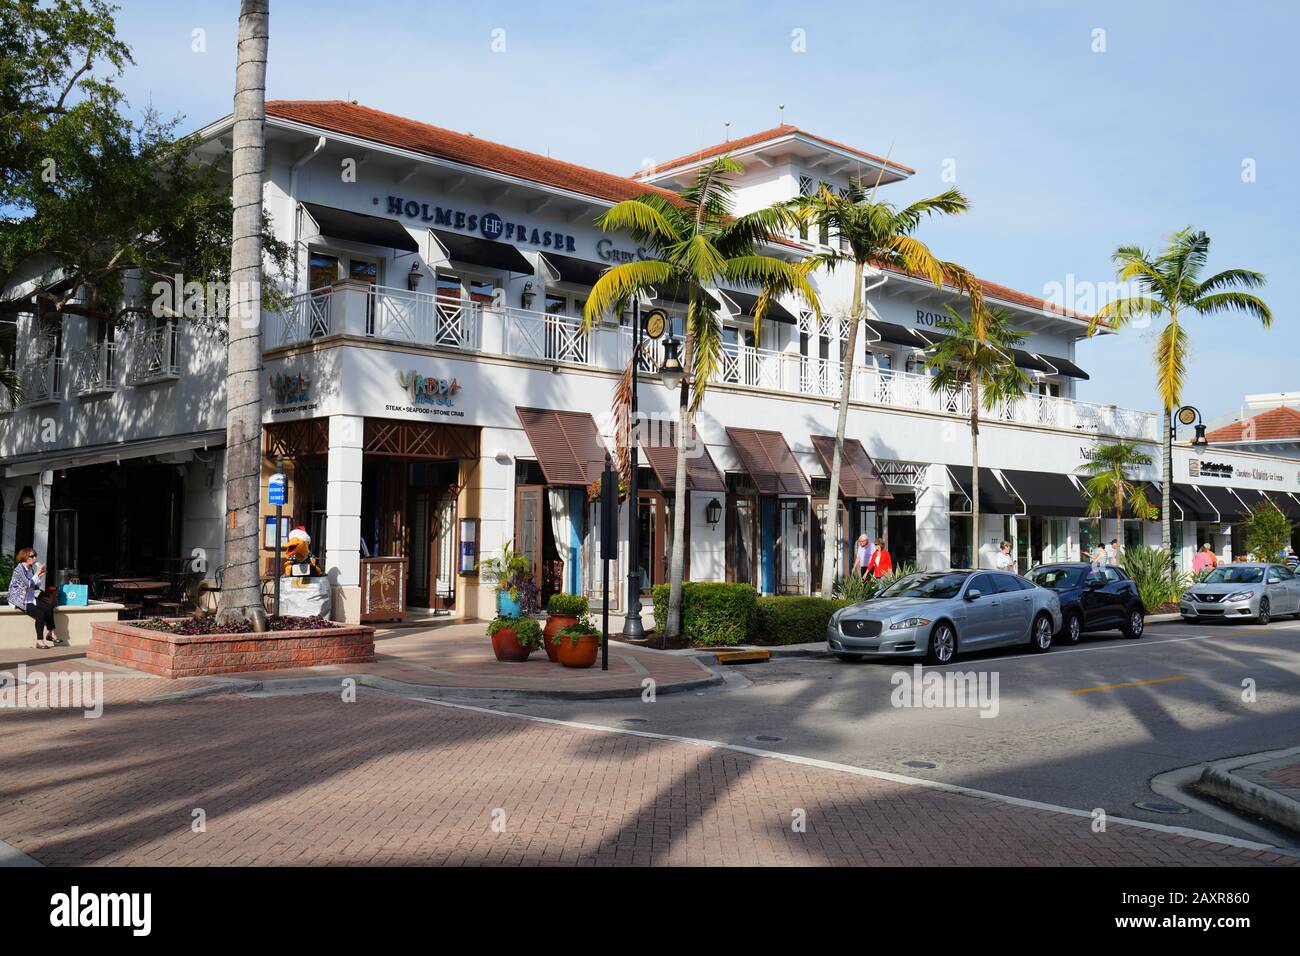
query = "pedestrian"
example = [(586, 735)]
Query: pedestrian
[(1112, 551), (862, 555), (1098, 557), (1204, 559), (880, 563), (1292, 560), (1002, 560), (25, 588)]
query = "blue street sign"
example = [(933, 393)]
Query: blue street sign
[(276, 489)]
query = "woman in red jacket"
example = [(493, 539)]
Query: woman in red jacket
[(880, 563)]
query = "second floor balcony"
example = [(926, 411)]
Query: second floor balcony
[(422, 319), (93, 370)]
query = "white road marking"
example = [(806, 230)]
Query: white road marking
[(871, 774)]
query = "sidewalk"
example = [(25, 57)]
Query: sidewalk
[(453, 657), (1265, 784)]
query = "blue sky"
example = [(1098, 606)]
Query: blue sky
[(1064, 152)]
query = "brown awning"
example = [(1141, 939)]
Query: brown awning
[(859, 477), (769, 461), (567, 444), (659, 445)]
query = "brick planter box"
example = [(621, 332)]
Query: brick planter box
[(176, 655)]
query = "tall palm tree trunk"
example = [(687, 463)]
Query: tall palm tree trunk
[(1167, 488), (677, 555), (241, 597), (841, 424), (974, 469)]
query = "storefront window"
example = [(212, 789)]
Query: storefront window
[(792, 546), (1132, 533), (959, 542), (1089, 536)]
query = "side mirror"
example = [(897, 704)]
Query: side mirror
[(1095, 583), (972, 594)]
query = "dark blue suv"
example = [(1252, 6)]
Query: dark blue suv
[(1092, 598)]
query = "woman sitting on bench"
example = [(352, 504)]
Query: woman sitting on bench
[(24, 588)]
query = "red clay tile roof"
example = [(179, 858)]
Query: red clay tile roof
[(352, 119), (1276, 423), (775, 132)]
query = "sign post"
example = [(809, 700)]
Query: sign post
[(608, 548), (276, 489)]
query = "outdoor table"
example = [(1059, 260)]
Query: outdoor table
[(141, 585)]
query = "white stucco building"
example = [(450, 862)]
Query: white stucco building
[(434, 395)]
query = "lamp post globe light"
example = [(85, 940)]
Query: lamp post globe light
[(653, 324), (1184, 415)]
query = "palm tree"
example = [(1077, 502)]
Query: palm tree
[(1109, 484), (980, 360), (1169, 284), (241, 596), (11, 385), (876, 234), (694, 241)]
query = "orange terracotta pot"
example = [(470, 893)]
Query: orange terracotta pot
[(582, 654), (506, 646), (554, 624)]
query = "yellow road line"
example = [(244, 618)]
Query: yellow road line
[(1132, 683)]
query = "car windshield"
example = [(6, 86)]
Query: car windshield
[(943, 584), (1058, 579), (1235, 576)]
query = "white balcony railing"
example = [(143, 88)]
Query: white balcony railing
[(423, 319), (43, 381), (155, 355), (544, 335), (94, 370)]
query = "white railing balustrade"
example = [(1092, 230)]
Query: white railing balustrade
[(94, 370), (544, 335), (308, 317), (155, 355), (42, 381)]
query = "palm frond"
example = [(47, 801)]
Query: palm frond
[(1235, 302), (616, 286), (1171, 364)]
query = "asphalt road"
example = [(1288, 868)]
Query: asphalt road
[(1084, 727)]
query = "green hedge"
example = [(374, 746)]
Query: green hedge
[(713, 614), (794, 619)]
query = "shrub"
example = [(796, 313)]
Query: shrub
[(194, 626), (855, 588), (1268, 532), (6, 574), (569, 605), (1152, 571), (714, 614), (583, 628), (795, 619), (527, 631)]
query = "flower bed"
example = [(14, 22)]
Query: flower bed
[(191, 626), (162, 646)]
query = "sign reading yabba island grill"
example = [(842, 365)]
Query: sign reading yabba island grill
[(425, 390)]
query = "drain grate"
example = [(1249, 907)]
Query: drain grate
[(920, 764), (1156, 806), (635, 720), (765, 738)]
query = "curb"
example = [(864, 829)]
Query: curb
[(1227, 781), (290, 685)]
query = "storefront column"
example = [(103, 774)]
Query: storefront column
[(933, 547), (343, 515), (44, 489)]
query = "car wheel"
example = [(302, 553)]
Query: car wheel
[(1135, 624), (1265, 615), (1040, 635), (943, 644), (1072, 629)]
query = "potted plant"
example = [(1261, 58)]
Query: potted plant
[(562, 610), (511, 570), (577, 644), (514, 638)]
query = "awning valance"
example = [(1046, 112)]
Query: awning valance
[(567, 444), (570, 269), (1193, 504), (482, 252), (681, 295), (770, 463), (897, 334), (358, 227), (993, 497), (659, 447), (1064, 366), (859, 477), (1227, 504), (1252, 498), (1047, 493), (1286, 504), (746, 302)]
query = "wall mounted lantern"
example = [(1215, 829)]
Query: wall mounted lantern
[(413, 277), (713, 513), (527, 295)]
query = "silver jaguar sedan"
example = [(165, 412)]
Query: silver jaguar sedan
[(937, 614), (1255, 591)]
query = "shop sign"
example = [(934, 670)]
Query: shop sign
[(488, 224), (931, 319), (606, 251), (292, 393), (1208, 469), (429, 395), (1089, 453)]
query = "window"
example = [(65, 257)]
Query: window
[(983, 583), (448, 289), (805, 189), (555, 304), (823, 230), (483, 291), (1112, 576), (322, 270)]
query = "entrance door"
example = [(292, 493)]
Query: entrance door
[(528, 526), (792, 565), (742, 539), (652, 540), (420, 522)]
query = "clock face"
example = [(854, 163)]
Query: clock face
[(1186, 415), (655, 323)]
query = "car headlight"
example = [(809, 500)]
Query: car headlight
[(1240, 596), (910, 622)]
